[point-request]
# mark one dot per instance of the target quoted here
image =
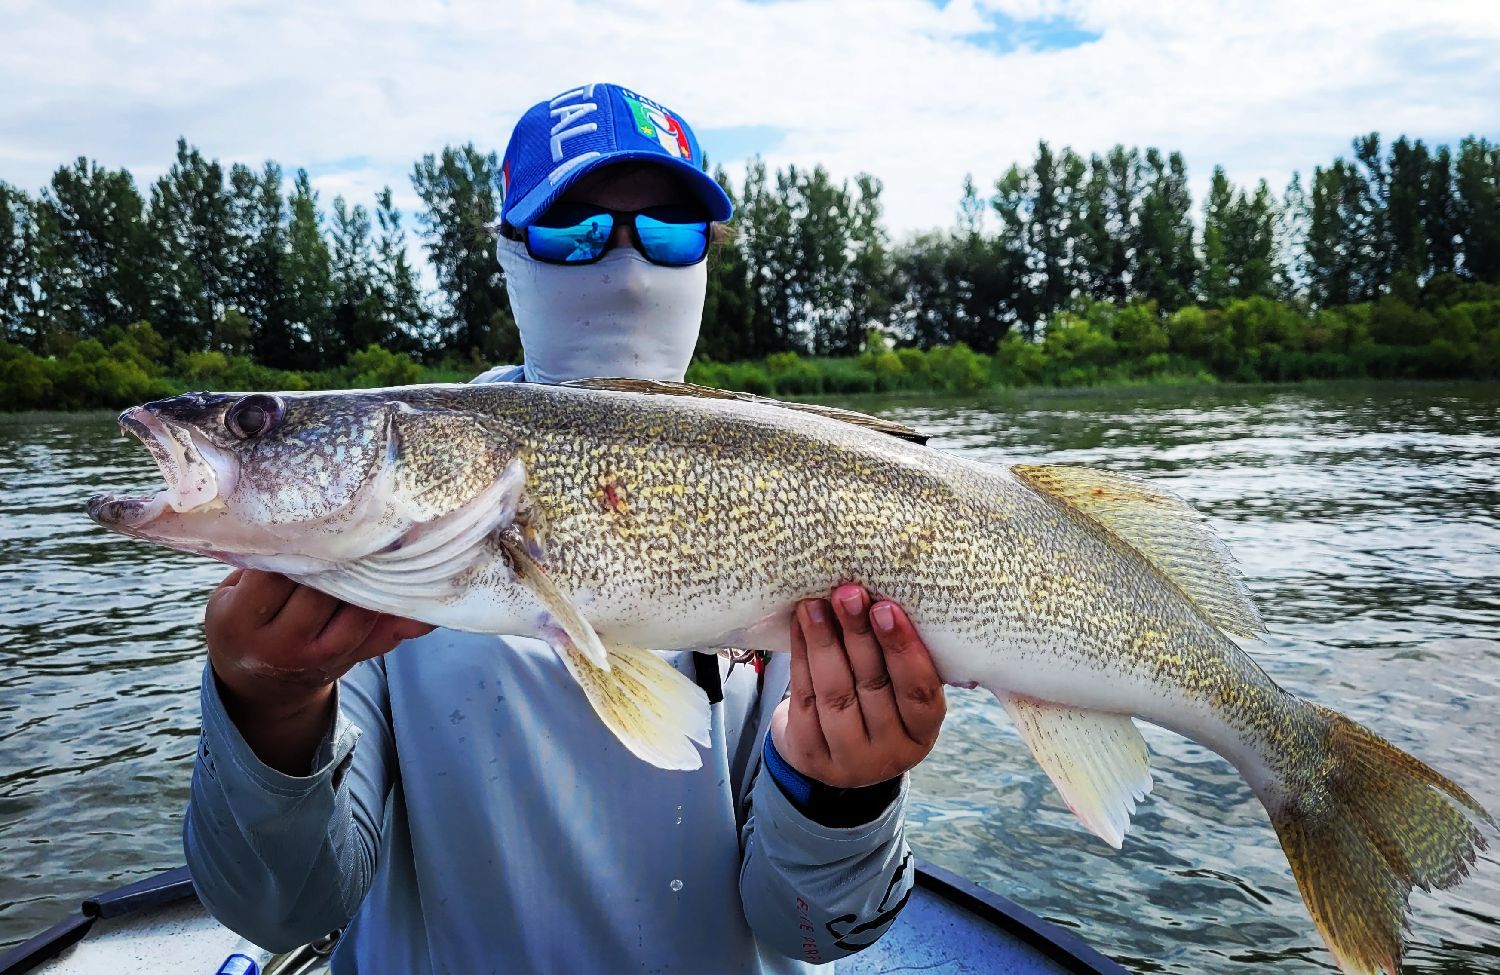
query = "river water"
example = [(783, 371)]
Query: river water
[(1366, 518)]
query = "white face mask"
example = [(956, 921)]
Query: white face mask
[(619, 317)]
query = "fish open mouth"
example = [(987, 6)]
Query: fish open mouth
[(196, 472)]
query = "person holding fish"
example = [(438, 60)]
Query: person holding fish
[(457, 806)]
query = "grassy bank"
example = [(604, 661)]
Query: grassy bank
[(1101, 344), (1253, 340)]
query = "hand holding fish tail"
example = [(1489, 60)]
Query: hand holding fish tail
[(866, 702), (277, 647)]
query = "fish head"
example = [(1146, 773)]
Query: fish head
[(298, 482)]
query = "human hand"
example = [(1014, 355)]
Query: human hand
[(866, 702), (279, 645)]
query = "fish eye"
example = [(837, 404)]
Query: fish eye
[(254, 415)]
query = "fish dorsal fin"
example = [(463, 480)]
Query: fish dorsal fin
[(660, 388), (1164, 529), (1096, 759)]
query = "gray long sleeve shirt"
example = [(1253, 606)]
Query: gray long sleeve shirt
[(468, 813)]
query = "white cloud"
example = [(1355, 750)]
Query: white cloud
[(357, 91)]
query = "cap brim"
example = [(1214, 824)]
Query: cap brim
[(709, 192)]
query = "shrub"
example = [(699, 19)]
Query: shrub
[(25, 379), (791, 375), (1018, 361), (958, 368), (375, 366)]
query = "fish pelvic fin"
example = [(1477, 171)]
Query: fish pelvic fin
[(1164, 529), (1362, 824), (655, 710), (1097, 760), (561, 612)]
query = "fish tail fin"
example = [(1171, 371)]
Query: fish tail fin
[(1362, 823)]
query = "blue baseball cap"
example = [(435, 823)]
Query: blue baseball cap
[(559, 141)]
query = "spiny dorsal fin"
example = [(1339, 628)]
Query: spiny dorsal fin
[(661, 388), (1164, 529)]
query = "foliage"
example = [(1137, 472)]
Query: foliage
[(1066, 270)]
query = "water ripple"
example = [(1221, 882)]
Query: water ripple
[(1366, 518)]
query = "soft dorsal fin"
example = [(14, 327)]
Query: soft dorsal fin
[(660, 388), (1164, 529)]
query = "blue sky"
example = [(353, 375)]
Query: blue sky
[(916, 92)]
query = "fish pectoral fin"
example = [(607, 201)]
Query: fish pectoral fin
[(1164, 529), (427, 564), (1096, 759), (563, 614), (660, 387), (655, 710)]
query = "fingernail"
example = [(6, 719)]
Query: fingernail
[(851, 602), (883, 618), (816, 614)]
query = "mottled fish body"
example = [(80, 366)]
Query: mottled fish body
[(611, 516)]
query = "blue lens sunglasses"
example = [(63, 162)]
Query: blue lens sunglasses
[(577, 233)]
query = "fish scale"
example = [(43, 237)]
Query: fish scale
[(611, 516)]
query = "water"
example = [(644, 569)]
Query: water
[(1367, 519)]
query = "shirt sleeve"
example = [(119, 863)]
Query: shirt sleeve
[(282, 859), (817, 893)]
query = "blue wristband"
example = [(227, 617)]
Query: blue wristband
[(798, 787)]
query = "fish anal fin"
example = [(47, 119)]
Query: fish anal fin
[(1164, 529), (565, 617), (661, 388), (655, 710), (1096, 759)]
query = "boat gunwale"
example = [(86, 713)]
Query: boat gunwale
[(171, 886)]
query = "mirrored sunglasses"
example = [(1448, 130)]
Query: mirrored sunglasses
[(572, 233)]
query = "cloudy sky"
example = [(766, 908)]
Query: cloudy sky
[(916, 92)]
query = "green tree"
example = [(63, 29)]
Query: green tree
[(1477, 180), (819, 276), (458, 189), (1051, 199), (358, 317), (307, 275), (1440, 214), (1251, 243), (17, 265), (770, 257), (929, 285), (1215, 282), (189, 223), (258, 218), (869, 283), (408, 320), (1337, 274), (1291, 241), (1372, 226), (1410, 169), (97, 277), (1109, 233), (728, 307), (1167, 263)]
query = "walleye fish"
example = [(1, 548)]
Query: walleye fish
[(611, 515)]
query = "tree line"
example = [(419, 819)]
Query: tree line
[(245, 265)]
